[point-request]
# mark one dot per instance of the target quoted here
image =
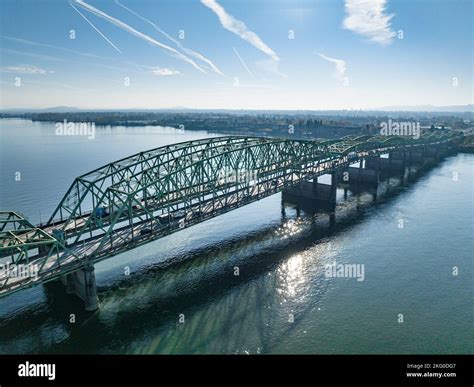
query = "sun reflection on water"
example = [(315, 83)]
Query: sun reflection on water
[(292, 276), (290, 228)]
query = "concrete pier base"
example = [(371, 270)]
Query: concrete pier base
[(372, 163), (312, 196), (359, 176), (430, 160), (386, 166), (393, 164), (433, 153), (417, 157), (82, 284)]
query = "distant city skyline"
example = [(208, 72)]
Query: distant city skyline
[(250, 54)]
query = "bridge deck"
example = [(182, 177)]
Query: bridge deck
[(124, 239)]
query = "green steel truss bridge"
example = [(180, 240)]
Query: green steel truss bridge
[(154, 193)]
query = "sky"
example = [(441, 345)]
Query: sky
[(235, 54)]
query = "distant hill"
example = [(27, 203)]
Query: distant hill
[(61, 109), (427, 108), (54, 109), (340, 112)]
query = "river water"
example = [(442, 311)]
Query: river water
[(181, 294)]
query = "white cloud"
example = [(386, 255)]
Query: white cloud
[(25, 69), (136, 33), (368, 18), (239, 28), (163, 72), (340, 67)]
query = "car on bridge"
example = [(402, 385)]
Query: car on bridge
[(145, 231), (178, 214), (101, 212)]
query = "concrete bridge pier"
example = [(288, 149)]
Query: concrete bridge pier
[(333, 191), (332, 220), (312, 196), (363, 178), (373, 163), (356, 177), (449, 149), (283, 210), (418, 156), (325, 191), (433, 154), (396, 162), (444, 149), (425, 157), (404, 160), (82, 284), (388, 166), (400, 157)]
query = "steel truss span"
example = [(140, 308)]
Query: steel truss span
[(153, 193)]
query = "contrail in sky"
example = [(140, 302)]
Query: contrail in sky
[(136, 33), (178, 44), (243, 63), (95, 28)]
